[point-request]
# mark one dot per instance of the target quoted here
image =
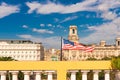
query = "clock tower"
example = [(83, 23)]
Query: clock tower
[(73, 34)]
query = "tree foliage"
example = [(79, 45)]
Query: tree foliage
[(6, 59), (20, 76), (91, 59), (79, 76), (115, 63), (106, 58)]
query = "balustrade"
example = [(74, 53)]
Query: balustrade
[(50, 74), (37, 75), (14, 75), (96, 74), (3, 75), (60, 68)]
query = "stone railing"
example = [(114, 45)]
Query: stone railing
[(61, 68)]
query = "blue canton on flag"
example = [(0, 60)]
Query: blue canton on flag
[(69, 45), (66, 44)]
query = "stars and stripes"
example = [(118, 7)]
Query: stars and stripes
[(68, 45), (89, 49)]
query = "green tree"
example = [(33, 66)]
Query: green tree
[(106, 58), (90, 75), (101, 75), (6, 59), (79, 76), (91, 59), (20, 76), (115, 63)]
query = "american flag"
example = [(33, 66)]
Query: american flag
[(68, 45), (89, 49)]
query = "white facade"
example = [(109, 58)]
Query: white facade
[(21, 51)]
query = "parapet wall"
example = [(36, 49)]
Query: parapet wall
[(61, 67)]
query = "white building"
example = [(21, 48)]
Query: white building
[(21, 50), (100, 51)]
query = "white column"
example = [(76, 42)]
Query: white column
[(3, 75), (14, 75), (38, 75), (95, 75), (73, 74), (26, 75), (49, 76), (117, 75), (107, 75), (84, 74)]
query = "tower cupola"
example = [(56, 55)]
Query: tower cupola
[(73, 36)]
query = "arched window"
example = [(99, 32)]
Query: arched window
[(73, 31)]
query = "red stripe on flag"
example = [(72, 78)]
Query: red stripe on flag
[(77, 46), (89, 49)]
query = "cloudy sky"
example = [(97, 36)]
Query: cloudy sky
[(46, 20)]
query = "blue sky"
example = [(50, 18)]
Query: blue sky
[(46, 20)]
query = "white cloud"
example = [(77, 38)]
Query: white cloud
[(33, 6), (43, 31), (69, 18), (86, 5), (42, 25), (65, 30), (25, 36), (25, 26), (56, 19), (59, 26), (6, 9), (103, 7), (58, 8), (107, 31), (49, 25), (50, 42), (109, 15), (90, 28), (107, 4)]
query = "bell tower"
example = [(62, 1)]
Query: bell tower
[(73, 34)]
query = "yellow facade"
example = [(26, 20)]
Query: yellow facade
[(60, 66)]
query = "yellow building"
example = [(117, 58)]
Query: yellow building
[(100, 51)]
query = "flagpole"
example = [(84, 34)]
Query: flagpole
[(61, 50)]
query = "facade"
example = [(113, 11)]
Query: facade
[(21, 50), (100, 51), (51, 54)]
